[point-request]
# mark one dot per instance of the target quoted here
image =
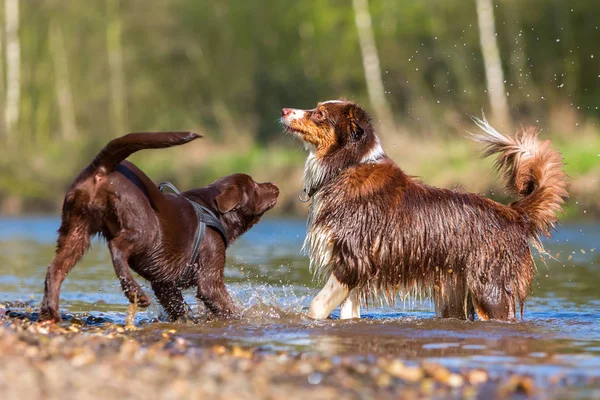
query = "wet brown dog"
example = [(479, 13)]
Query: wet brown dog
[(374, 231), (151, 232)]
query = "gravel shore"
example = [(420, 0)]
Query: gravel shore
[(110, 362)]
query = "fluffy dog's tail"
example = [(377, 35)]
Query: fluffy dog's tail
[(120, 148), (532, 170)]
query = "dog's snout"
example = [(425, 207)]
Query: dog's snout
[(273, 187), (285, 112)]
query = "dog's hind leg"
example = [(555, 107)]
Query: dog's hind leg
[(452, 298), (73, 241), (120, 250), (331, 296), (350, 307), (169, 296)]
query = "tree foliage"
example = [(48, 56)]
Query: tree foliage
[(227, 67)]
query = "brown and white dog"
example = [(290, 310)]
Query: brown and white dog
[(374, 231)]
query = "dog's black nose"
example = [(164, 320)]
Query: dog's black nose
[(285, 112)]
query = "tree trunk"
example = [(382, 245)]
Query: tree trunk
[(3, 131), (371, 66), (116, 70), (493, 64), (13, 65), (62, 86)]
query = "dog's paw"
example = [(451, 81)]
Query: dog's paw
[(143, 301), (49, 317), (138, 297)]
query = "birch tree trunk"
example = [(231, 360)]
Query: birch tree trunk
[(13, 65), (115, 65), (371, 66), (3, 131), (492, 63), (64, 95)]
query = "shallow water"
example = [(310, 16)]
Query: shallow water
[(557, 340)]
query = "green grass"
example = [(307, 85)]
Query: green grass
[(581, 156)]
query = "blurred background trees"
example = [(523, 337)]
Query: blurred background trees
[(78, 73)]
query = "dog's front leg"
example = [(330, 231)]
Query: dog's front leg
[(328, 298), (216, 298), (170, 298), (211, 288), (120, 250), (350, 307)]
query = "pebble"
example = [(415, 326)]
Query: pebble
[(240, 352), (518, 385), (407, 374), (455, 380), (477, 377), (315, 378)]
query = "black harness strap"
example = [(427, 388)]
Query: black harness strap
[(205, 217)]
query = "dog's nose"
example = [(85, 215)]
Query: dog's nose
[(285, 112), (272, 186)]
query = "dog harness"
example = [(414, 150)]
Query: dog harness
[(205, 217)]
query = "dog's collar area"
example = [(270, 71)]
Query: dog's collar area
[(303, 196), (306, 194), (205, 217)]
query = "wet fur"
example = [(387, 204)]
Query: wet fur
[(151, 232), (380, 231)]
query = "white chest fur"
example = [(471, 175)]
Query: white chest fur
[(314, 173), (318, 243)]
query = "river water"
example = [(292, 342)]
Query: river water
[(557, 339)]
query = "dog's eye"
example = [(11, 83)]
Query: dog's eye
[(318, 115)]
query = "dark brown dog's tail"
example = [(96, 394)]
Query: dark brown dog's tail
[(120, 148), (532, 170)]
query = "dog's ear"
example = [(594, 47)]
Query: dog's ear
[(228, 199), (358, 121), (357, 133)]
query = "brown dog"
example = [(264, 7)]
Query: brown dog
[(373, 230), (152, 232)]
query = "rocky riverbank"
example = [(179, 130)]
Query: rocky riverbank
[(109, 361)]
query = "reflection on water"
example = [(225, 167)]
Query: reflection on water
[(560, 333)]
